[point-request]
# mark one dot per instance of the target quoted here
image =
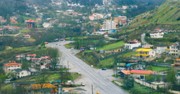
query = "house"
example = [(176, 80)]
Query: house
[(19, 57), (96, 16), (132, 44), (159, 50), (27, 36), (21, 73), (12, 65), (174, 49), (30, 23), (13, 20), (158, 33), (2, 20), (29, 56), (47, 25), (137, 73), (176, 64), (145, 52)]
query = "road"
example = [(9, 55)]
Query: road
[(92, 78)]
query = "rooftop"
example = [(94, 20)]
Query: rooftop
[(143, 50), (140, 72), (12, 63)]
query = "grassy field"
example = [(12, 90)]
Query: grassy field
[(139, 89), (112, 46), (47, 77), (107, 63), (156, 68), (129, 54)]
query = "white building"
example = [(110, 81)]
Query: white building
[(132, 44), (175, 49), (109, 25), (47, 25), (12, 65), (158, 33), (22, 73), (160, 50)]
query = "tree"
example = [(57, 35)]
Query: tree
[(170, 77), (128, 82)]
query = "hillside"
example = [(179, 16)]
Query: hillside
[(9, 7), (135, 7), (167, 14)]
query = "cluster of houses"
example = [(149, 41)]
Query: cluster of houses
[(109, 26), (147, 51), (35, 64)]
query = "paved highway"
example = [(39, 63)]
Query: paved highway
[(91, 77)]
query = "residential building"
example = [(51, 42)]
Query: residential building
[(47, 25), (176, 64), (96, 16), (30, 23), (12, 65), (109, 26), (21, 73), (121, 20), (132, 44), (145, 52), (158, 33), (13, 20), (137, 73), (27, 36), (29, 56), (159, 50), (174, 49)]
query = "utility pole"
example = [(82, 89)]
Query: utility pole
[(92, 89)]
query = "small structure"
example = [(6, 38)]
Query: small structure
[(145, 52), (12, 65), (21, 73), (174, 49), (132, 44), (30, 23)]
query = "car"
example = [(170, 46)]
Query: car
[(103, 68)]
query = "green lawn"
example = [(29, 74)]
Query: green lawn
[(156, 68), (112, 46), (106, 63), (129, 54), (139, 89)]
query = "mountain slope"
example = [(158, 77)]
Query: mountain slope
[(9, 7), (167, 14)]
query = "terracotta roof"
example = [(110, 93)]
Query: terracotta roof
[(140, 72), (30, 21), (32, 55), (45, 57), (144, 72), (177, 59), (12, 63), (127, 72)]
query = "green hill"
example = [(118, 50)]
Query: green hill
[(167, 14)]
